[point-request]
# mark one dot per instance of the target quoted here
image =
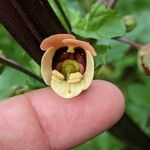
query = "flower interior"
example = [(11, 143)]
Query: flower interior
[(69, 64)]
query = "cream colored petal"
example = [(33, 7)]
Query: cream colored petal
[(89, 73), (66, 90), (46, 65)]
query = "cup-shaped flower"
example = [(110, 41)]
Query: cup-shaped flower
[(144, 59), (67, 64)]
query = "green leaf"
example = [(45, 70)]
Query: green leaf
[(9, 78), (112, 53), (101, 57), (101, 49), (99, 23), (58, 13)]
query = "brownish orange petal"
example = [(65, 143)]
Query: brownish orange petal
[(55, 41), (82, 44)]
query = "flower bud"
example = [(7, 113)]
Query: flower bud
[(67, 65), (144, 59), (130, 22)]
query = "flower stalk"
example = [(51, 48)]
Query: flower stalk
[(129, 42), (15, 65)]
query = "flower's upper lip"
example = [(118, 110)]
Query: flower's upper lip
[(81, 44), (60, 40), (55, 41)]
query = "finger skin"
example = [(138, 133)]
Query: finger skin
[(42, 120)]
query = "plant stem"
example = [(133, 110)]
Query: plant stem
[(57, 2), (129, 42), (122, 40), (31, 21), (13, 64), (111, 3)]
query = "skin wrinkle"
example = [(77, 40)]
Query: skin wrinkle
[(36, 115), (56, 116), (43, 118), (53, 118)]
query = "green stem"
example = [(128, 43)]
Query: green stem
[(57, 2), (13, 64)]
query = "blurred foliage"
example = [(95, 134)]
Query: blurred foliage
[(99, 23), (116, 62), (10, 77)]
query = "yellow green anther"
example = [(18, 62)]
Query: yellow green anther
[(75, 77), (70, 50), (57, 74), (68, 67)]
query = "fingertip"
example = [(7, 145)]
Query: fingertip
[(113, 96)]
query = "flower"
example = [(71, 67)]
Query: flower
[(67, 65), (144, 59)]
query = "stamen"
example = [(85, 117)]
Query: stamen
[(75, 77), (58, 75), (56, 79), (68, 67), (70, 50)]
